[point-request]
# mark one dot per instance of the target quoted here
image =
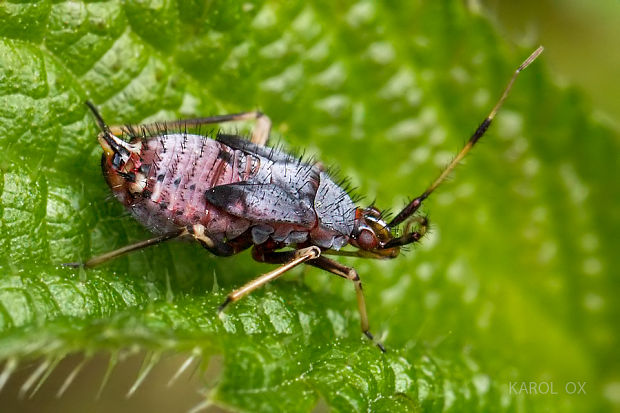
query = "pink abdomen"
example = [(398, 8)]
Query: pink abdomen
[(177, 171)]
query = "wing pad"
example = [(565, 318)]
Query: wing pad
[(267, 203)]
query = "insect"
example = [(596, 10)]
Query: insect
[(230, 194)]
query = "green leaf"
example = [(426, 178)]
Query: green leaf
[(514, 283)]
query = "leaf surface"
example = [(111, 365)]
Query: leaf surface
[(514, 282)]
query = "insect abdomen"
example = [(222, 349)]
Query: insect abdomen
[(175, 171), (180, 180)]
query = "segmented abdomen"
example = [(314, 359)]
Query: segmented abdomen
[(177, 170), (230, 186)]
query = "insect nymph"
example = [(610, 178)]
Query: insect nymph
[(230, 194)]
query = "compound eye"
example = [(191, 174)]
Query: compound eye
[(367, 240), (373, 212)]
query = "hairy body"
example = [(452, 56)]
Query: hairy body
[(229, 194), (239, 193)]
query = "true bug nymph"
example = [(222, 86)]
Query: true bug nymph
[(230, 194)]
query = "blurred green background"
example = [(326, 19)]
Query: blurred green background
[(515, 283), (581, 39)]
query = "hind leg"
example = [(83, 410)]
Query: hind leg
[(108, 256), (260, 132)]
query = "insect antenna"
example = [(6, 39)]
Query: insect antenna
[(413, 206)]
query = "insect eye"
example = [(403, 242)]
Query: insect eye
[(367, 240), (373, 212)]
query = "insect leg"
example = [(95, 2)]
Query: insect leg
[(100, 259), (298, 257), (260, 133), (409, 237), (350, 274)]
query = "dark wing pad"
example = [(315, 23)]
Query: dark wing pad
[(263, 203)]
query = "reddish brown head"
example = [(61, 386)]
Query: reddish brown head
[(372, 234)]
